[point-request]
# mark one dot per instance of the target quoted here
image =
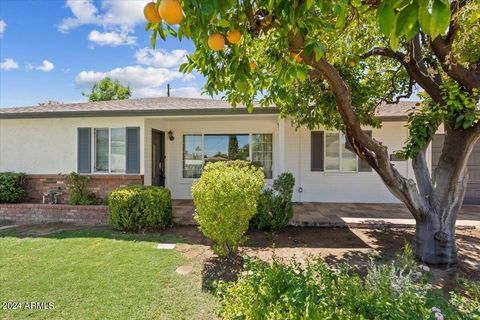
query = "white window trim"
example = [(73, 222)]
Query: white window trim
[(250, 134), (340, 152), (94, 145)]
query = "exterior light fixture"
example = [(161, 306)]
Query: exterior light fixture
[(170, 135)]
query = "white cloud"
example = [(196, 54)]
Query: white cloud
[(141, 79), (3, 26), (118, 19), (46, 66), (84, 12), (161, 58), (111, 38), (8, 64), (123, 13)]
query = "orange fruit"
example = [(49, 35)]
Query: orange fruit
[(150, 13), (253, 66), (296, 56), (171, 11), (351, 62), (216, 42), (233, 36)]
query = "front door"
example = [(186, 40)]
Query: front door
[(158, 158)]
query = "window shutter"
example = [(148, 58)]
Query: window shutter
[(363, 166), (133, 150), (84, 149), (317, 150)]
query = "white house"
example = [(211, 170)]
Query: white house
[(166, 141)]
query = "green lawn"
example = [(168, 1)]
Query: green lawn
[(99, 275)]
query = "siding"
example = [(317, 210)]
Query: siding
[(49, 146)]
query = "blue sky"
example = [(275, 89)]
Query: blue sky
[(55, 49)]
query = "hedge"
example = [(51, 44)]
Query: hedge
[(135, 208)]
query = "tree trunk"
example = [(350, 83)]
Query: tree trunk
[(435, 241)]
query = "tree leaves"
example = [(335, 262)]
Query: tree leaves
[(440, 19), (403, 18)]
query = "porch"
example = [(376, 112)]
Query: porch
[(340, 215)]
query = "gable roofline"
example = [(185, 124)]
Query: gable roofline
[(167, 106)]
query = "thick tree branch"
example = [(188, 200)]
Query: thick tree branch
[(364, 146), (419, 73), (442, 47), (470, 79)]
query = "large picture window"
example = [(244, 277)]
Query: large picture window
[(200, 149), (337, 156)]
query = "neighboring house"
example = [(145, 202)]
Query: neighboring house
[(166, 141)]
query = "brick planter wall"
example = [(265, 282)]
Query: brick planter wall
[(36, 213), (37, 185)]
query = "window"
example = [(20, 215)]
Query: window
[(110, 150), (200, 149), (118, 153), (221, 147), (337, 156), (101, 150), (192, 156), (262, 152)]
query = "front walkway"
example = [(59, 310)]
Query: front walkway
[(318, 214)]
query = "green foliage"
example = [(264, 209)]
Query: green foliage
[(78, 192), (137, 207), (467, 300), (275, 208), (225, 199), (12, 187), (459, 110), (315, 291), (404, 18), (107, 90)]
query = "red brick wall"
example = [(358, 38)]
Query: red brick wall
[(37, 213), (37, 185)]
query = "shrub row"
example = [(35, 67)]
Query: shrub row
[(315, 291)]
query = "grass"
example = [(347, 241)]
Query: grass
[(98, 274)]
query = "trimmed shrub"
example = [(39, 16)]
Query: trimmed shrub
[(275, 208), (137, 207), (78, 193), (225, 199), (12, 187), (315, 291)]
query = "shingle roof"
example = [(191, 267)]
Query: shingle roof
[(160, 106)]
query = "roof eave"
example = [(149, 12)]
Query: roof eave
[(134, 113)]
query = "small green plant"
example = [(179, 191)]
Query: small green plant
[(275, 208), (225, 199), (78, 192), (315, 291), (12, 187), (135, 207)]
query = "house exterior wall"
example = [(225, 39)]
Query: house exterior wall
[(360, 187), (49, 146)]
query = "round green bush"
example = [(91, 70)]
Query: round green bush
[(134, 208), (275, 207), (12, 187), (225, 199)]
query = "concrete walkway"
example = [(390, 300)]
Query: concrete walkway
[(316, 214)]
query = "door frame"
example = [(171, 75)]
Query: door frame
[(162, 152)]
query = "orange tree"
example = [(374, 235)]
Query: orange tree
[(330, 63)]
